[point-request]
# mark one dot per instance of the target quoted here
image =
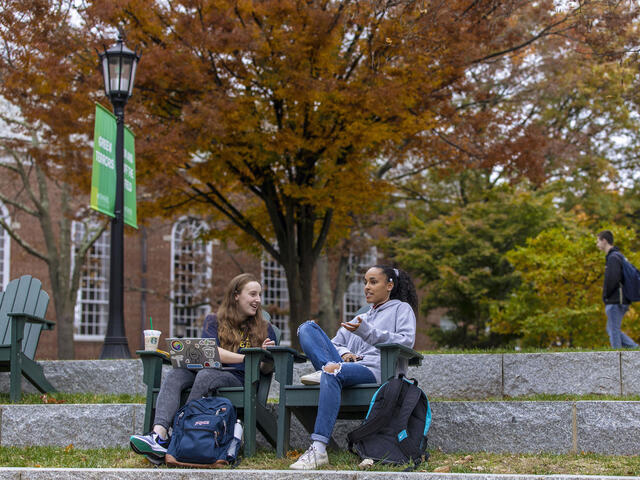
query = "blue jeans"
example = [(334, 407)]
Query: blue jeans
[(614, 326), (318, 347)]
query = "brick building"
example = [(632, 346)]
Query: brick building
[(163, 261)]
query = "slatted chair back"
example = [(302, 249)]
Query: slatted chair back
[(23, 295), (265, 379)]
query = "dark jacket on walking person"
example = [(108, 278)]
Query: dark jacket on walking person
[(612, 287)]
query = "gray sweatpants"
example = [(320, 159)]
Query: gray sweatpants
[(200, 382)]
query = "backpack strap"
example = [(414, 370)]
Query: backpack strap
[(623, 259), (382, 415)]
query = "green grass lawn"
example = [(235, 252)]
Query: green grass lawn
[(71, 398), (58, 397), (500, 350), (540, 464)]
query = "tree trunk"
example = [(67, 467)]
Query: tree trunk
[(298, 262), (340, 286), (64, 325), (330, 303), (327, 315), (299, 302)]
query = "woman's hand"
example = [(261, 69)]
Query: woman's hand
[(350, 357), (352, 327), (230, 357), (268, 343)]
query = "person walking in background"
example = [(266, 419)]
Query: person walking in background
[(615, 303)]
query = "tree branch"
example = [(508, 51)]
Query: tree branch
[(236, 217), (13, 234)]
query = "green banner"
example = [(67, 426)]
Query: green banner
[(103, 178), (130, 214)]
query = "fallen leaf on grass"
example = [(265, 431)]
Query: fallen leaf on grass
[(68, 448), (293, 454), (47, 399), (443, 469), (466, 459)]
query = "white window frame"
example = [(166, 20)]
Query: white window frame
[(5, 243), (353, 298), (192, 329), (100, 251), (275, 292)]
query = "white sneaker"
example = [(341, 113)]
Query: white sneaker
[(310, 460), (311, 378)]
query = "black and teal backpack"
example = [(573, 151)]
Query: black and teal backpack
[(395, 428)]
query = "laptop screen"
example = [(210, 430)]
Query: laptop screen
[(193, 353)]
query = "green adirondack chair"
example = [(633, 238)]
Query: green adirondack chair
[(302, 400), (23, 305), (250, 400)]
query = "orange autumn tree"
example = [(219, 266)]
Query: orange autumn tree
[(279, 118), (46, 108)]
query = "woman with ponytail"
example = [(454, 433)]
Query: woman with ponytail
[(350, 357)]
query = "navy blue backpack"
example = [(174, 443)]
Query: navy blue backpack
[(395, 428), (202, 433), (630, 280)]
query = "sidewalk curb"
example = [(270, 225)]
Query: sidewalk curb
[(11, 473)]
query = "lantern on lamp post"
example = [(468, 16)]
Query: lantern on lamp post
[(119, 65)]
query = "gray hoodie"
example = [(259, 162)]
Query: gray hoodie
[(391, 322)]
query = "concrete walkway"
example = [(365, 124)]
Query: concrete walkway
[(186, 474)]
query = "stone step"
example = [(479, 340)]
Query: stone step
[(449, 376), (238, 474), (607, 427)]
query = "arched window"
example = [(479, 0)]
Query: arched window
[(354, 299), (191, 278), (92, 305), (276, 294), (5, 249)]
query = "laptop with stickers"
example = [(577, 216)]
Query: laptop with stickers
[(194, 353)]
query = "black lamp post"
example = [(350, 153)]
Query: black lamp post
[(119, 70)]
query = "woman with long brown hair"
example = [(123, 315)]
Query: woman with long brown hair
[(237, 324)]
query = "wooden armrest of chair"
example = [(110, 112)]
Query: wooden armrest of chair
[(46, 324), (284, 358), (154, 354), (295, 355), (403, 352), (253, 356), (390, 353), (257, 351), (152, 362)]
